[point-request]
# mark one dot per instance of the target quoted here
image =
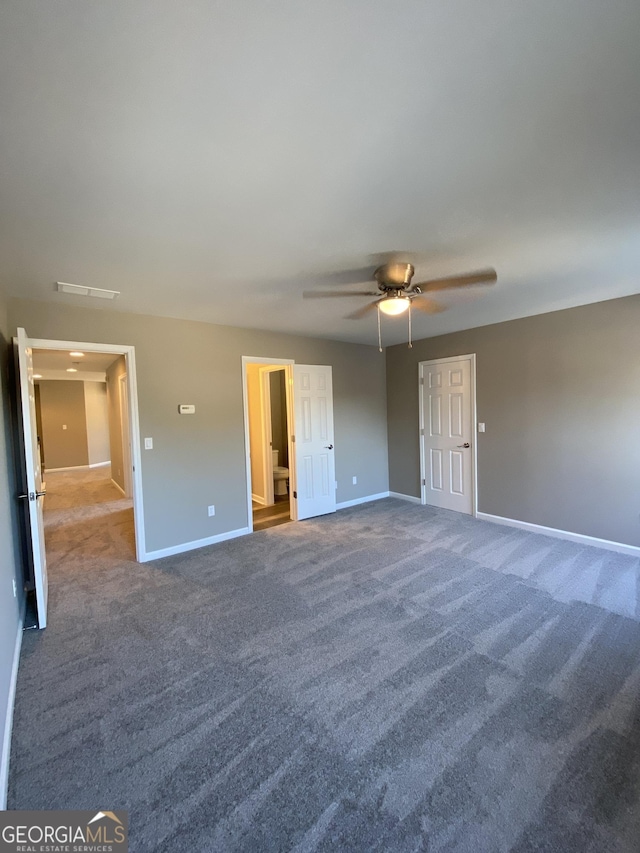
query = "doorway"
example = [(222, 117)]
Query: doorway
[(310, 439), (82, 414), (448, 461), (269, 437), (124, 358)]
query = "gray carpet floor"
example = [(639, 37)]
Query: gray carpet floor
[(389, 678)]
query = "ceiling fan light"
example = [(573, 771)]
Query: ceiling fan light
[(394, 305)]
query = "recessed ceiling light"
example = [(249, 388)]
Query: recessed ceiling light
[(37, 376), (71, 370), (80, 290), (77, 354)]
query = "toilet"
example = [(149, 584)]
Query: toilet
[(280, 476)]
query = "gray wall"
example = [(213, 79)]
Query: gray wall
[(95, 402), (200, 459), (64, 423), (560, 396), (10, 607)]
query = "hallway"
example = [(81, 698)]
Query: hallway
[(85, 516)]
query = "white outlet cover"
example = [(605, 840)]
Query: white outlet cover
[(480, 427), (148, 444)]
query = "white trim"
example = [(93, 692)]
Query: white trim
[(8, 722), (79, 467), (580, 538), (41, 343), (411, 498), (471, 357), (68, 468), (258, 500), (129, 354), (366, 499), (191, 546), (119, 487)]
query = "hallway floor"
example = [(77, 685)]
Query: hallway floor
[(86, 515)]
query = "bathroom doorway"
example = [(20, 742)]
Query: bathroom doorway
[(269, 433)]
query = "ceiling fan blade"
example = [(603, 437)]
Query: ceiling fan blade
[(488, 276), (326, 294), (426, 305), (362, 312), (359, 275)]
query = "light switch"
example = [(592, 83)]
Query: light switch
[(480, 427), (64, 426), (148, 444)]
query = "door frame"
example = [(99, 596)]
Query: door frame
[(134, 421), (276, 364), (422, 365), (125, 433)]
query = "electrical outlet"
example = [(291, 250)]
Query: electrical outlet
[(354, 480), (148, 444), (211, 510), (15, 588)]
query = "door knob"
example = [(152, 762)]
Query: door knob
[(466, 444), (328, 447)]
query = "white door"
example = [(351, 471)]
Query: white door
[(313, 430), (447, 434), (32, 474)]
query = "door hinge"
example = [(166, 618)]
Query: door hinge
[(293, 438), (424, 482), (295, 496), (422, 432), (422, 380)]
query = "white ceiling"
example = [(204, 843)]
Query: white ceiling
[(53, 364), (212, 160)]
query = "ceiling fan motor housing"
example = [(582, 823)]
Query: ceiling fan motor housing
[(394, 276)]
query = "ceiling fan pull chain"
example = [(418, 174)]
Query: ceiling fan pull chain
[(410, 345), (379, 332)]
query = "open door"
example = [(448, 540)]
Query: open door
[(33, 491), (315, 470)]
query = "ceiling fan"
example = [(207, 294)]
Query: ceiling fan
[(396, 292)]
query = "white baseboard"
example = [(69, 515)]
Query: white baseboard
[(118, 487), (411, 498), (191, 546), (258, 499), (80, 467), (580, 538), (8, 725), (365, 500), (69, 468)]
